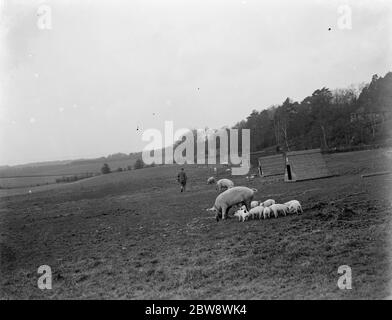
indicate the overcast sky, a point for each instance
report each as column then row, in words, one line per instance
column 108, row 68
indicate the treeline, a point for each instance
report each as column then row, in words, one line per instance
column 139, row 164
column 75, row 177
column 112, row 157
column 326, row 119
column 342, row 119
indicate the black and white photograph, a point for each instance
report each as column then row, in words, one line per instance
column 207, row 151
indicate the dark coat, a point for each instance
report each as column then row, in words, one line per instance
column 181, row 177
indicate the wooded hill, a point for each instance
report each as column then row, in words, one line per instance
column 326, row 119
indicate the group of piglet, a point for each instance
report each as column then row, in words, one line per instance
column 264, row 210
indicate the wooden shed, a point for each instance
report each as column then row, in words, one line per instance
column 305, row 165
column 272, row 165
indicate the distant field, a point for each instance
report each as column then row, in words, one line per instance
column 134, row 235
column 66, row 169
column 47, row 174
column 26, row 181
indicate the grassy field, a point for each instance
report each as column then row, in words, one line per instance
column 9, row 183
column 134, row 235
column 34, row 181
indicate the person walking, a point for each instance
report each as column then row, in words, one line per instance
column 182, row 178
